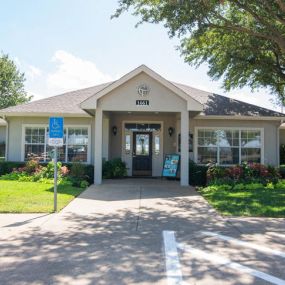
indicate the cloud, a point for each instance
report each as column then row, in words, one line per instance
column 73, row 72
column 33, row 72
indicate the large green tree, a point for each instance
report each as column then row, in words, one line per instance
column 242, row 41
column 12, row 90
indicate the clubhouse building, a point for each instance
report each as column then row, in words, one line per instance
column 140, row 118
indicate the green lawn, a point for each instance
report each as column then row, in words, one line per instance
column 33, row 197
column 254, row 203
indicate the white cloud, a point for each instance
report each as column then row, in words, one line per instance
column 33, row 72
column 73, row 72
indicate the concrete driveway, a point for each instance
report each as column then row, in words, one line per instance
column 117, row 233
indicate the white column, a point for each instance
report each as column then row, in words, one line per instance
column 184, row 173
column 98, row 146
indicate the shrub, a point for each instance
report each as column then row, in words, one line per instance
column 114, row 168
column 244, row 173
column 282, row 170
column 197, row 174
column 216, row 172
column 77, row 171
column 31, row 166
column 8, row 166
column 84, row 184
column 282, row 154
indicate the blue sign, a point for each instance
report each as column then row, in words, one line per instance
column 56, row 131
column 170, row 166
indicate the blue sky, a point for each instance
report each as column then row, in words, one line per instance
column 64, row 45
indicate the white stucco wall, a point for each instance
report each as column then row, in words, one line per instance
column 16, row 137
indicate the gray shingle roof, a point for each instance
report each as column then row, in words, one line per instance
column 66, row 103
column 219, row 105
column 69, row 103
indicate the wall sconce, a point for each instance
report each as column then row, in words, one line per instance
column 114, row 130
column 170, row 131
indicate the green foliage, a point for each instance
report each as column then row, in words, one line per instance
column 31, row 197
column 114, row 168
column 77, row 171
column 244, row 173
column 8, row 166
column 197, row 174
column 247, row 199
column 282, row 170
column 84, row 184
column 2, row 149
column 11, row 84
column 242, row 42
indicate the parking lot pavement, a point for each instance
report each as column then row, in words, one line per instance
column 208, row 257
column 113, row 234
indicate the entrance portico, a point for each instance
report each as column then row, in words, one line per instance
column 141, row 98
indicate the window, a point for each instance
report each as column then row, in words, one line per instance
column 250, row 146
column 156, row 144
column 228, row 146
column 207, row 146
column 75, row 144
column 128, row 143
column 35, row 143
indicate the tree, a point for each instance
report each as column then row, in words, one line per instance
column 12, row 90
column 243, row 42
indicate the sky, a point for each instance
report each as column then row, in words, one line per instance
column 64, row 45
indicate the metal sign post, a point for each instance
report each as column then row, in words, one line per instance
column 56, row 140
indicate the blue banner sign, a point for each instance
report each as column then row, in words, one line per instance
column 170, row 166
column 56, row 131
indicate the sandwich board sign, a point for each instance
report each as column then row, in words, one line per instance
column 56, row 131
column 171, row 165
column 56, row 140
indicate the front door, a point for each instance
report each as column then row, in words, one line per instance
column 142, row 154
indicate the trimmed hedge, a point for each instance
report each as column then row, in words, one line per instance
column 197, row 174
column 8, row 166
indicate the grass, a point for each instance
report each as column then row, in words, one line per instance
column 253, row 203
column 33, row 197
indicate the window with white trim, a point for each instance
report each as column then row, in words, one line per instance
column 228, row 146
column 75, row 147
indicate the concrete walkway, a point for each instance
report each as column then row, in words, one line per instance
column 112, row 234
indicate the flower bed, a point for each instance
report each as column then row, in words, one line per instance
column 32, row 171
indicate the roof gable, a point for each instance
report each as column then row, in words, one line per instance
column 192, row 103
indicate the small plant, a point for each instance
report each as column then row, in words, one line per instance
column 84, row 184
column 114, row 168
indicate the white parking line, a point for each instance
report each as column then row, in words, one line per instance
column 276, row 234
column 173, row 267
column 218, row 260
column 246, row 244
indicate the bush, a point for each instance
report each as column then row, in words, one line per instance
column 244, row 173
column 8, row 166
column 2, row 149
column 114, row 168
column 282, row 153
column 282, row 170
column 197, row 174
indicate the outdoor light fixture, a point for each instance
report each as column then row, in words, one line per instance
column 170, row 131
column 115, row 130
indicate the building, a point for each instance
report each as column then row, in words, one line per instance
column 140, row 118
